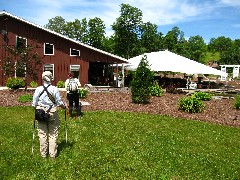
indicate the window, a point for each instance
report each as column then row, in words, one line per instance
column 74, row 52
column 49, row 67
column 21, row 42
column 48, row 49
column 20, row 70
column 75, row 69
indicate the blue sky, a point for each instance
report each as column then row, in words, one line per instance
column 207, row 18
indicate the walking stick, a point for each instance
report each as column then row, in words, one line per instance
column 66, row 123
column 33, row 135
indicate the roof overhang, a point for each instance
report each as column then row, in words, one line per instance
column 117, row 59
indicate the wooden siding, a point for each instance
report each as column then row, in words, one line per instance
column 61, row 58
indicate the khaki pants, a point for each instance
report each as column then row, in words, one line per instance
column 48, row 134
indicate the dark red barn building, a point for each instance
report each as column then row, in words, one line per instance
column 58, row 53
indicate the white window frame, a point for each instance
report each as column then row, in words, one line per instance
column 75, row 67
column 49, row 66
column 74, row 50
column 19, row 37
column 45, row 49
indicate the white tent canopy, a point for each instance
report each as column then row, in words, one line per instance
column 168, row 61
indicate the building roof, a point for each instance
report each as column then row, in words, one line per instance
column 122, row 60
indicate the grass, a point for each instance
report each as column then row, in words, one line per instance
column 117, row 145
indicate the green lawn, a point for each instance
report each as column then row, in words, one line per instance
column 117, row 145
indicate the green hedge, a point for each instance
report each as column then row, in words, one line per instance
column 15, row 83
column 190, row 105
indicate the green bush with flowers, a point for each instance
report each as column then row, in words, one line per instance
column 61, row 84
column 204, row 96
column 190, row 105
column 156, row 90
column 237, row 102
column 33, row 84
column 83, row 93
column 15, row 83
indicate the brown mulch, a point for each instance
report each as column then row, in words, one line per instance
column 216, row 111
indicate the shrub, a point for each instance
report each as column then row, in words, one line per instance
column 202, row 96
column 190, row 105
column 142, row 82
column 25, row 98
column 61, row 84
column 33, row 84
column 237, row 102
column 15, row 83
column 83, row 93
column 156, row 90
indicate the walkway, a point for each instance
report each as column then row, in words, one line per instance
column 3, row 88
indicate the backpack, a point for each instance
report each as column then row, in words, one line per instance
column 72, row 86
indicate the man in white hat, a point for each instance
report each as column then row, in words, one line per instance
column 48, row 130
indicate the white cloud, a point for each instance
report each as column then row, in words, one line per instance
column 160, row 12
column 236, row 25
column 165, row 12
column 230, row 2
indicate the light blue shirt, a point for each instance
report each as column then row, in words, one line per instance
column 44, row 100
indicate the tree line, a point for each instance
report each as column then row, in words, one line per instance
column 131, row 37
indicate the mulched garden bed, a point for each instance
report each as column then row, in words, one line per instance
column 219, row 111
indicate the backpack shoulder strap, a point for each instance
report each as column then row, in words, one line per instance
column 49, row 94
column 43, row 90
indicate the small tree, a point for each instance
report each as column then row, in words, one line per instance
column 24, row 60
column 142, row 82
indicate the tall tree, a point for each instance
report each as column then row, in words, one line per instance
column 182, row 48
column 109, row 44
column 151, row 40
column 127, row 31
column 237, row 42
column 77, row 30
column 219, row 44
column 90, row 32
column 232, row 54
column 96, row 33
column 173, row 38
column 57, row 24
column 197, row 48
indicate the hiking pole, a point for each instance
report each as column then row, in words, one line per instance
column 33, row 136
column 66, row 124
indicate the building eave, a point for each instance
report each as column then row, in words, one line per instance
column 120, row 59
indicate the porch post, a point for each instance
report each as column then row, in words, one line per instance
column 123, row 75
column 117, row 77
